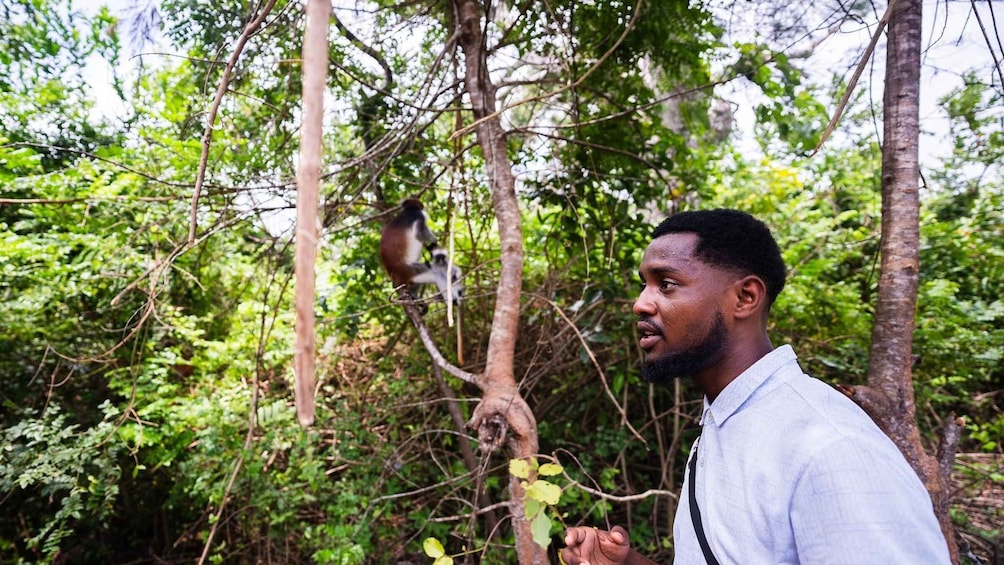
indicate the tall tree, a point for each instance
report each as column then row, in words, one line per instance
column 889, row 395
column 503, row 415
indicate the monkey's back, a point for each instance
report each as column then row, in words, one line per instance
column 401, row 242
column 399, row 249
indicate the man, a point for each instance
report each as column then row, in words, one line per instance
column 788, row 470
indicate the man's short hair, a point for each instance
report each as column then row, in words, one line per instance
column 734, row 240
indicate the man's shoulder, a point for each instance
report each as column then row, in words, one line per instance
column 804, row 408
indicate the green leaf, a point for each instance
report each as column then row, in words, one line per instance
column 540, row 528
column 548, row 493
column 550, row 469
column 531, row 508
column 444, row 560
column 519, row 468
column 434, row 549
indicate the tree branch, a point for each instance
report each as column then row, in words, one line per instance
column 854, row 78
column 430, row 345
column 599, row 368
column 207, row 136
column 495, row 114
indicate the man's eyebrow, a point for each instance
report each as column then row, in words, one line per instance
column 658, row 271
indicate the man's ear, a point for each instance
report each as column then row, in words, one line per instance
column 751, row 296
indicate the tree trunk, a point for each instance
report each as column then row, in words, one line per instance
column 502, row 416
column 889, row 397
column 308, row 180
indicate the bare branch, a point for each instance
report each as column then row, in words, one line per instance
column 599, row 368
column 986, row 38
column 430, row 346
column 854, row 78
column 207, row 136
column 626, row 498
column 388, row 75
column 599, row 62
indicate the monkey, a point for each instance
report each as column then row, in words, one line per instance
column 437, row 274
column 401, row 247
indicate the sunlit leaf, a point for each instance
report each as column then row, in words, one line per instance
column 519, row 468
column 531, row 508
column 550, row 469
column 548, row 493
column 433, row 548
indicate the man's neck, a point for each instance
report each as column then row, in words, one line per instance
column 714, row 379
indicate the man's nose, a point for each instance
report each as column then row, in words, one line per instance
column 643, row 305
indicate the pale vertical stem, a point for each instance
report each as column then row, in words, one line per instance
column 308, row 179
column 449, row 275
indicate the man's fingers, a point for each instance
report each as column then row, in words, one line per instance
column 575, row 536
column 569, row 558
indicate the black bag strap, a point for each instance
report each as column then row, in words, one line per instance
column 695, row 512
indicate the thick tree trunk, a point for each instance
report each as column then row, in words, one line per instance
column 502, row 416
column 889, row 397
column 308, row 180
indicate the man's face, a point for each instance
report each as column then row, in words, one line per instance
column 683, row 331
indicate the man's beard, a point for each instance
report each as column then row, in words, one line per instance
column 662, row 370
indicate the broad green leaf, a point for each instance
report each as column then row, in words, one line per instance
column 531, row 508
column 548, row 493
column 519, row 468
column 540, row 528
column 550, row 469
column 433, row 548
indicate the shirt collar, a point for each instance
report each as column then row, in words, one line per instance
column 742, row 387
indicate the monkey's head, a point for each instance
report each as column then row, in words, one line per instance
column 412, row 203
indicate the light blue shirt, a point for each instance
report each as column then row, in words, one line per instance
column 789, row 470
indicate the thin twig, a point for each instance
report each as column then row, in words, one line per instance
column 430, row 346
column 264, row 334
column 175, row 253
column 73, row 151
column 207, row 136
column 599, row 368
column 223, row 502
column 60, row 201
column 599, row 62
column 986, row 37
column 626, row 498
column 854, row 78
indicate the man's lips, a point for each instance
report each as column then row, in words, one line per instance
column 650, row 334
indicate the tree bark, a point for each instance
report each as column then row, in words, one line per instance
column 502, row 416
column 889, row 396
column 308, row 180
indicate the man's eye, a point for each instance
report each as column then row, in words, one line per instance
column 667, row 285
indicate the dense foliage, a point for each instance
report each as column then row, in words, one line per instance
column 145, row 384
